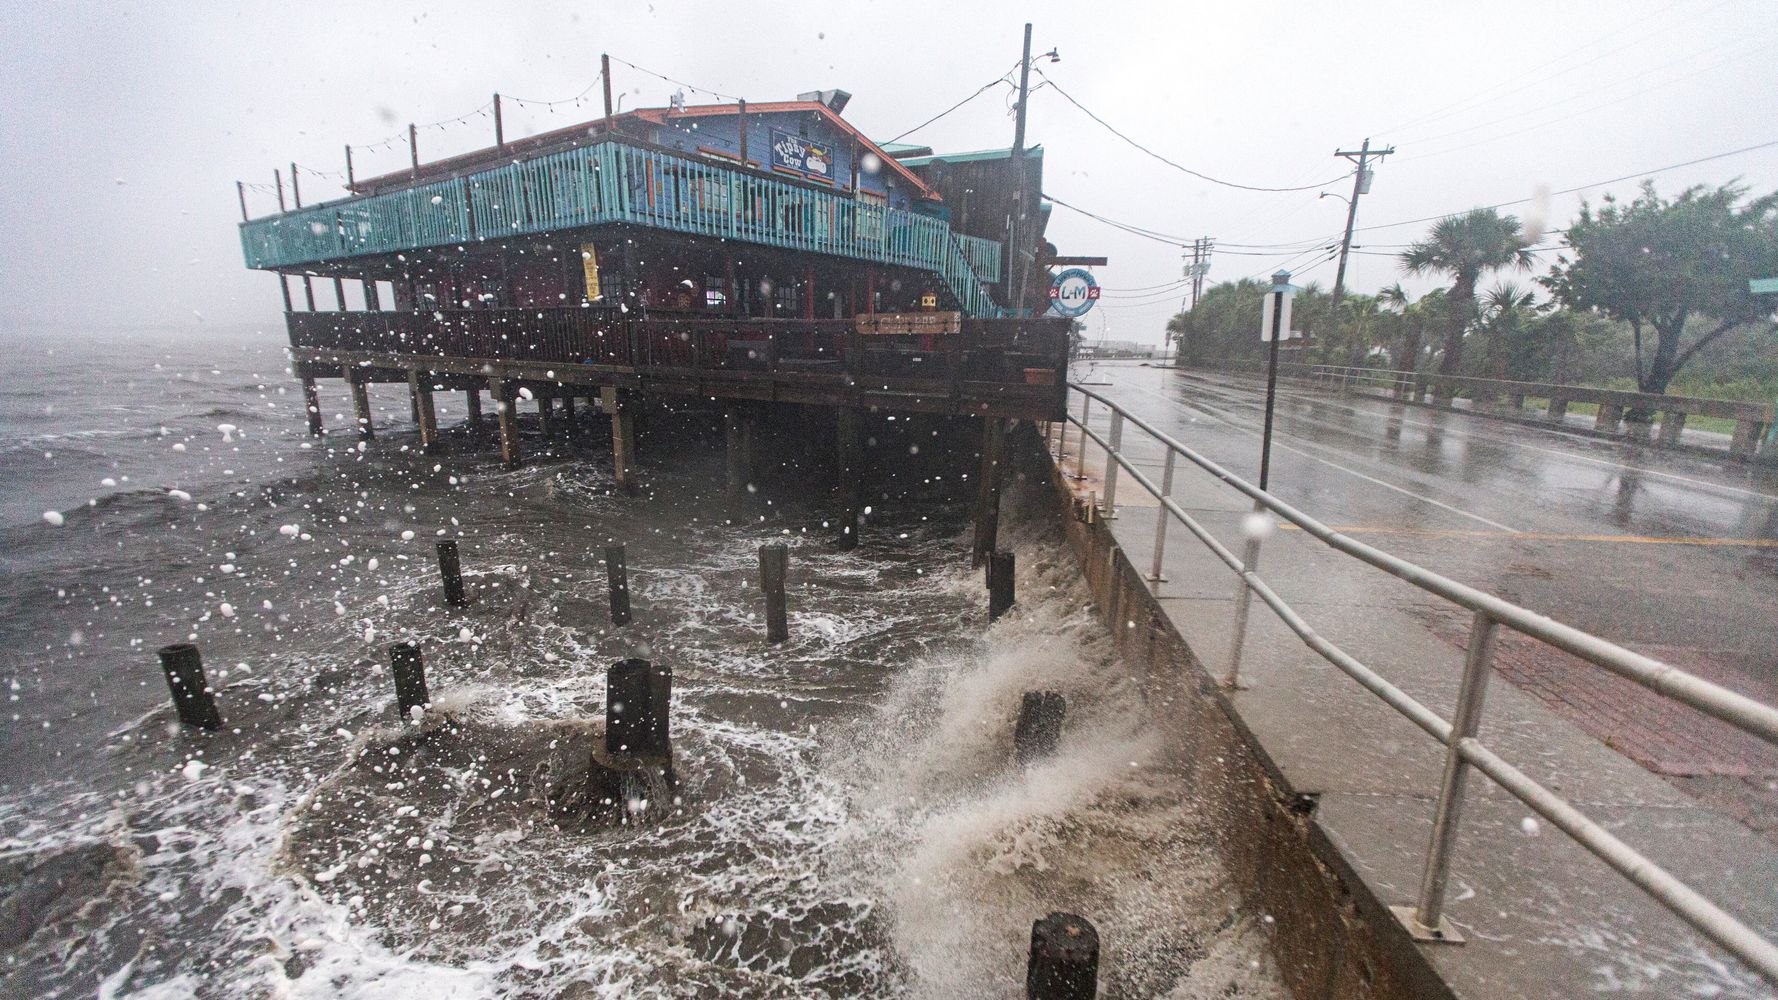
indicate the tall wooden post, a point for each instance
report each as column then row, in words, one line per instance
column 1064, row 959
column 192, row 699
column 617, row 578
column 350, row 180
column 741, row 129
column 284, row 288
column 472, row 403
column 360, row 401
column 987, row 504
column 567, row 401
column 372, row 301
column 623, row 437
column 499, row 126
column 774, row 568
column 241, row 192
column 278, row 178
column 309, row 292
column 312, row 404
column 339, row 293
column 546, row 415
column 296, row 191
column 421, row 390
column 507, row 414
column 737, row 436
column 851, row 473
column 413, row 147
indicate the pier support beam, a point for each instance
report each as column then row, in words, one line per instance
column 360, row 401
column 738, row 431
column 851, row 471
column 546, row 415
column 421, row 391
column 312, row 404
column 472, row 402
column 987, row 504
column 568, row 415
column 623, row 436
column 505, row 409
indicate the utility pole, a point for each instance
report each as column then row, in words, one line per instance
column 1361, row 184
column 1015, row 230
column 1201, row 249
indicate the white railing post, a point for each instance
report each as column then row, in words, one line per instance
column 1086, row 407
column 1426, row 920
column 1244, row 594
column 1111, row 456
column 1161, row 519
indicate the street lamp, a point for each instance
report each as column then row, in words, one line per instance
column 1274, row 326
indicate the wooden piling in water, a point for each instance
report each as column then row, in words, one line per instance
column 192, row 699
column 546, row 415
column 739, row 456
column 312, row 404
column 1000, row 583
column 1039, row 729
column 851, row 472
column 427, row 416
column 1064, row 961
column 360, row 401
column 987, row 504
column 410, row 679
column 774, row 567
column 505, row 410
column 638, row 702
column 623, row 437
column 568, row 415
column 472, row 403
column 617, row 576
column 451, row 570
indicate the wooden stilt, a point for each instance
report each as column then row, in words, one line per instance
column 851, row 471
column 546, row 415
column 472, row 401
column 312, row 403
column 419, row 386
column 623, row 437
column 739, row 472
column 987, row 505
column 360, row 402
column 507, row 413
column 568, row 415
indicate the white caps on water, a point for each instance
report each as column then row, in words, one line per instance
column 54, row 517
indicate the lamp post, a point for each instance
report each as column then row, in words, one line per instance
column 1274, row 327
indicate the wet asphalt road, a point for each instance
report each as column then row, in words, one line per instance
column 1669, row 553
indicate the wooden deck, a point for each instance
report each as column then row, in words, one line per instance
column 994, row 368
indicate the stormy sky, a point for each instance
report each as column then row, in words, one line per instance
column 128, row 124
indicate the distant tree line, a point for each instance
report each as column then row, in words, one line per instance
column 1637, row 293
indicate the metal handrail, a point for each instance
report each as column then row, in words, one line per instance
column 1464, row 750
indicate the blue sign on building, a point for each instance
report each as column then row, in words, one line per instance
column 797, row 153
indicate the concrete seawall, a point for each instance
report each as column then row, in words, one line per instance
column 1327, row 797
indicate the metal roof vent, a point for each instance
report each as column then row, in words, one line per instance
column 834, row 99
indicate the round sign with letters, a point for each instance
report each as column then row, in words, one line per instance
column 1073, row 293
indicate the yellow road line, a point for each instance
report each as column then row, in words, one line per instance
column 1533, row 536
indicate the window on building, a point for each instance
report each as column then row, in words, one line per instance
column 784, row 299
column 715, row 293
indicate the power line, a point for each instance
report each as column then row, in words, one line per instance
column 984, row 88
column 1176, row 166
column 1581, row 187
column 1168, row 238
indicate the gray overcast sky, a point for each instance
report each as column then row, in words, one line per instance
column 128, row 123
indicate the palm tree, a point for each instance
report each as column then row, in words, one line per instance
column 1466, row 247
column 1503, row 313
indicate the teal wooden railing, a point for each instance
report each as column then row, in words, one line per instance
column 610, row 182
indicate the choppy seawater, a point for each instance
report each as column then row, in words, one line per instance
column 849, row 823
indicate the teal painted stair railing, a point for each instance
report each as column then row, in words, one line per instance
column 610, row 182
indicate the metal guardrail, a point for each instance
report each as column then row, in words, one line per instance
column 1424, row 919
column 1751, row 419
